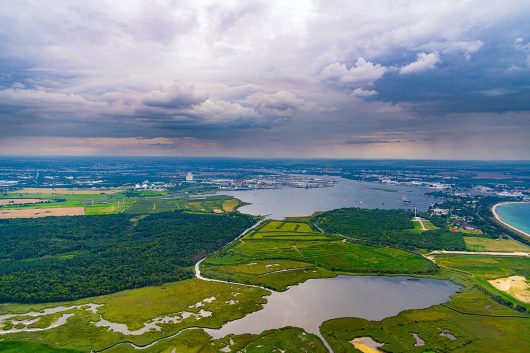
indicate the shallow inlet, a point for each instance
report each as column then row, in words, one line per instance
column 309, row 304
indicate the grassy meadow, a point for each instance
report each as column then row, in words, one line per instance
column 489, row 244
column 282, row 253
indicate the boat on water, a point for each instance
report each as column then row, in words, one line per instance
column 405, row 199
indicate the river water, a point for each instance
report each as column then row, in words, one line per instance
column 292, row 202
column 308, row 304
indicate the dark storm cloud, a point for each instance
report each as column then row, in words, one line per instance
column 494, row 79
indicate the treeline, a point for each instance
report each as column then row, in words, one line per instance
column 386, row 228
column 503, row 300
column 66, row 258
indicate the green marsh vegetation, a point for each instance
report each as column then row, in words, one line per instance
column 276, row 255
column 134, row 308
column 289, row 339
column 478, row 323
column 482, row 268
column 289, row 252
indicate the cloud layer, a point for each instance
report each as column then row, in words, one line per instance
column 407, row 79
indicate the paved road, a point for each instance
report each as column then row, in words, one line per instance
column 491, row 253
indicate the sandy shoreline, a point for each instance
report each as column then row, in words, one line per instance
column 496, row 215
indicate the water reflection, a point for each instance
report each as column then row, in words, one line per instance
column 292, row 202
column 309, row 304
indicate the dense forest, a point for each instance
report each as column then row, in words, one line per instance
column 64, row 258
column 386, row 228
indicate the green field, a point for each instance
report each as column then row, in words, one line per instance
column 488, row 267
column 488, row 244
column 284, row 230
column 129, row 201
column 315, row 255
column 94, row 204
column 206, row 204
column 426, row 223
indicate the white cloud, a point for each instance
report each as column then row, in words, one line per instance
column 280, row 100
column 424, row 62
column 175, row 96
column 222, row 111
column 360, row 92
column 467, row 47
column 362, row 73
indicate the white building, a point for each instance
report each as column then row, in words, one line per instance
column 440, row 211
column 189, row 176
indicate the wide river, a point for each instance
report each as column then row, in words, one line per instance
column 308, row 304
column 515, row 214
column 292, row 202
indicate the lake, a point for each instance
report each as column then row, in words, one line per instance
column 308, row 304
column 292, row 202
column 515, row 214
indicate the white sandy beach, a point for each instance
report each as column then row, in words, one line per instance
column 498, row 218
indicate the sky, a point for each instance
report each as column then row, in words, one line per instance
column 414, row 79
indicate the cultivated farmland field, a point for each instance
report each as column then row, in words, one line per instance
column 41, row 212
column 8, row 202
column 92, row 202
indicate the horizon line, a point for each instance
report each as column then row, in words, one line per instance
column 266, row 158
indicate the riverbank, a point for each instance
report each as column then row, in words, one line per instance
column 511, row 227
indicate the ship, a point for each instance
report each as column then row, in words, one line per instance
column 405, row 199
